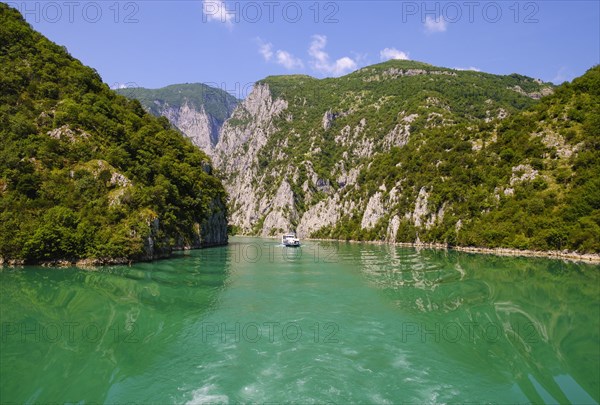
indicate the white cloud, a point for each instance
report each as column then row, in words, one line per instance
column 474, row 69
column 265, row 49
column 433, row 25
column 393, row 53
column 283, row 58
column 344, row 65
column 321, row 62
column 216, row 10
column 562, row 76
column 288, row 61
column 321, row 59
column 360, row 58
column 128, row 85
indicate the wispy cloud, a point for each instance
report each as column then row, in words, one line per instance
column 319, row 58
column 392, row 53
column 216, row 10
column 288, row 61
column 321, row 62
column 562, row 76
column 283, row 58
column 472, row 68
column 128, row 85
column 433, row 25
column 265, row 49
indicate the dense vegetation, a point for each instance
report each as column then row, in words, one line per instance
column 497, row 160
column 84, row 172
column 371, row 94
column 558, row 140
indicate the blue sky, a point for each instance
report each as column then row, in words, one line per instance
column 231, row 44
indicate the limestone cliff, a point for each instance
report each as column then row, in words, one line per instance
column 196, row 124
column 401, row 152
column 197, row 110
column 242, row 137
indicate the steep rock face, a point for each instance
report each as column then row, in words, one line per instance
column 392, row 230
column 196, row 109
column 324, row 213
column 282, row 211
column 197, row 125
column 251, row 123
column 242, row 137
column 402, row 152
column 268, row 198
column 373, row 212
column 213, row 229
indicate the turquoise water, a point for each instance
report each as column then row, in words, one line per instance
column 254, row 322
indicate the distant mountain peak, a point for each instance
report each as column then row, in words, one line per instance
column 196, row 109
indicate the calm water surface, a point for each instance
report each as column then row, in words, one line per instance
column 254, row 322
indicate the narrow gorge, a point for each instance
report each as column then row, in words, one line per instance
column 401, row 151
column 408, row 152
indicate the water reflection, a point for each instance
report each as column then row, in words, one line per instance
column 379, row 325
column 91, row 329
column 537, row 318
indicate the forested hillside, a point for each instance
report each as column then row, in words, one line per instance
column 86, row 173
column 531, row 181
column 408, row 152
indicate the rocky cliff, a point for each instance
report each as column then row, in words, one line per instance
column 404, row 152
column 213, row 228
column 196, row 124
column 242, row 137
column 197, row 110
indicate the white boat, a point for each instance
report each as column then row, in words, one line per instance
column 289, row 239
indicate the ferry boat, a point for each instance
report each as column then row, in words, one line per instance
column 289, row 239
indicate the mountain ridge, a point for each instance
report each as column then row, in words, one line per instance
column 290, row 150
column 195, row 109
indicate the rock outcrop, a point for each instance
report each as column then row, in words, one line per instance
column 196, row 109
column 213, row 229
column 202, row 128
column 236, row 156
column 401, row 151
column 276, row 151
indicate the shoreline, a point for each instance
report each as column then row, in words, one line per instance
column 101, row 262
column 589, row 258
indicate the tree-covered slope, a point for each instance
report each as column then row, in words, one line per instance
column 531, row 181
column 384, row 96
column 86, row 173
column 404, row 151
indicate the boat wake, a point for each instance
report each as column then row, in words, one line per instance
column 203, row 396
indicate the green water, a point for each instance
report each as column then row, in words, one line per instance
column 254, row 322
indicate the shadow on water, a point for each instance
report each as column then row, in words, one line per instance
column 534, row 323
column 76, row 334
